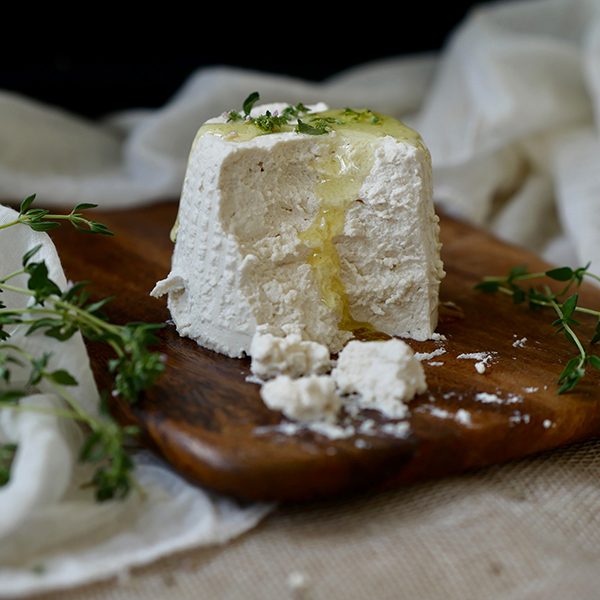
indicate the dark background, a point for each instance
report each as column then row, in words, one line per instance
column 93, row 65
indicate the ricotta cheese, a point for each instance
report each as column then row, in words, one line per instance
column 315, row 235
column 311, row 398
column 289, row 355
column 385, row 375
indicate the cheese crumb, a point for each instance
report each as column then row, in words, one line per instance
column 547, row 423
column 331, row 430
column 488, row 398
column 429, row 355
column 463, row 417
column 438, row 337
column 483, row 360
column 518, row 417
column 297, row 582
column 520, row 343
column 311, row 398
column 481, row 356
column 398, row 430
column 439, row 413
column 289, row 355
column 384, row 374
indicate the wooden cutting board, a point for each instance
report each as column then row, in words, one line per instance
column 211, row 425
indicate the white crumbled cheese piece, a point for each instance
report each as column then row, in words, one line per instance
column 311, row 398
column 463, row 417
column 488, row 398
column 429, row 355
column 367, row 427
column 520, row 343
column 435, row 363
column 438, row 337
column 531, row 390
column 483, row 360
column 239, row 262
column 331, row 430
column 289, row 355
column 475, row 356
column 385, row 375
column 335, row 431
column 284, row 428
column 398, row 430
column 518, row 417
column 297, row 581
column 289, row 428
column 439, row 413
column 547, row 423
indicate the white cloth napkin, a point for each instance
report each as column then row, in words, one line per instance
column 52, row 532
column 510, row 113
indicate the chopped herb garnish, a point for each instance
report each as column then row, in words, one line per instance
column 270, row 122
column 249, row 102
column 233, row 115
column 316, row 127
column 295, row 111
column 363, row 116
column 311, row 123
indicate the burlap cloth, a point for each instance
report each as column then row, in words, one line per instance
column 527, row 530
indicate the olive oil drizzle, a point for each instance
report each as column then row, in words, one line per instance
column 347, row 161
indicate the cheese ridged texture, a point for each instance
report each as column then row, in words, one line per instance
column 240, row 261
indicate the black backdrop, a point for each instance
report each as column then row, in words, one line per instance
column 94, row 65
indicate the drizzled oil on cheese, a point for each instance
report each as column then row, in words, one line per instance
column 338, row 120
column 342, row 169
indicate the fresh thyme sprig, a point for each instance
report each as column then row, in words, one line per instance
column 40, row 219
column 564, row 306
column 60, row 314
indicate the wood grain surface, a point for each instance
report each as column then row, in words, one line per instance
column 211, row 425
